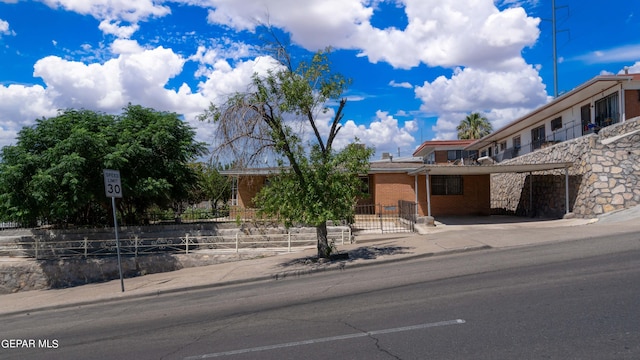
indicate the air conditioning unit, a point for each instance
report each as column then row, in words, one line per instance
column 486, row 160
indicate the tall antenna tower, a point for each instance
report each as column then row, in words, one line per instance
column 554, row 33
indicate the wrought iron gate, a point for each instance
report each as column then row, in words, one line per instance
column 380, row 218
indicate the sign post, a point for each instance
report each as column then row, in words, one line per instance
column 113, row 189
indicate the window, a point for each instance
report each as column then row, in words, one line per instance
column 607, row 112
column 446, row 185
column 517, row 142
column 453, row 155
column 502, row 146
column 234, row 191
column 537, row 137
column 556, row 124
column 365, row 185
column 585, row 118
column 430, row 158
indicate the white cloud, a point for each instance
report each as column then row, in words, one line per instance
column 5, row 29
column 633, row 69
column 123, row 46
column 485, row 41
column 136, row 75
column 384, row 133
column 471, row 89
column 617, row 54
column 313, row 24
column 21, row 106
column 112, row 13
column 112, row 27
column 501, row 96
column 404, row 84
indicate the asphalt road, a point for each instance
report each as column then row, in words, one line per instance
column 570, row 300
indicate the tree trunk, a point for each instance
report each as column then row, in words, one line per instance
column 324, row 250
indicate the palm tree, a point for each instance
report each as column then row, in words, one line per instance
column 474, row 126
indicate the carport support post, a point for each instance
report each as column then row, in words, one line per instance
column 566, row 190
column 428, row 195
column 415, row 186
column 530, row 194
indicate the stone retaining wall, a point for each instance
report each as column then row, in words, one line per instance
column 20, row 274
column 30, row 274
column 605, row 176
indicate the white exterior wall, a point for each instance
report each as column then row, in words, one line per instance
column 571, row 125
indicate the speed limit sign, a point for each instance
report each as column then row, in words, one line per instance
column 112, row 185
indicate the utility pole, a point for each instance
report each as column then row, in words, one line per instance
column 554, row 33
column 555, row 50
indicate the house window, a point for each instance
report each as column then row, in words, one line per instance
column 537, row 137
column 365, row 185
column 517, row 143
column 502, row 146
column 607, row 111
column 556, row 124
column 446, row 185
column 585, row 118
column 430, row 158
column 234, row 191
column 453, row 155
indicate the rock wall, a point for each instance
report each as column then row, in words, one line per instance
column 605, row 176
column 30, row 274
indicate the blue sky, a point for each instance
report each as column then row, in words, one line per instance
column 418, row 66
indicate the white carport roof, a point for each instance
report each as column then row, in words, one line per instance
column 487, row 169
column 483, row 170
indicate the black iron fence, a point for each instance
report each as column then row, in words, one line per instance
column 380, row 218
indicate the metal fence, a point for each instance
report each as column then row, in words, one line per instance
column 84, row 248
column 379, row 218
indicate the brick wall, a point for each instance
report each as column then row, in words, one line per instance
column 248, row 187
column 389, row 188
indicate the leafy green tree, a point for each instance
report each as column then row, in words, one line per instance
column 317, row 182
column 212, row 186
column 54, row 172
column 474, row 126
column 153, row 152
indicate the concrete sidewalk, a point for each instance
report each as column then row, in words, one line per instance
column 449, row 237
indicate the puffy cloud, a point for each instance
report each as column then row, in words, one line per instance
column 312, row 24
column 4, row 28
column 112, row 12
column 500, row 96
column 471, row 89
column 485, row 41
column 404, row 84
column 21, row 106
column 114, row 28
column 633, row 69
column 136, row 75
column 384, row 133
column 224, row 80
column 452, row 33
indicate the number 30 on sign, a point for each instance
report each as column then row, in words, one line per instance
column 112, row 185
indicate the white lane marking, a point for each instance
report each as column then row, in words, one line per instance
column 327, row 339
